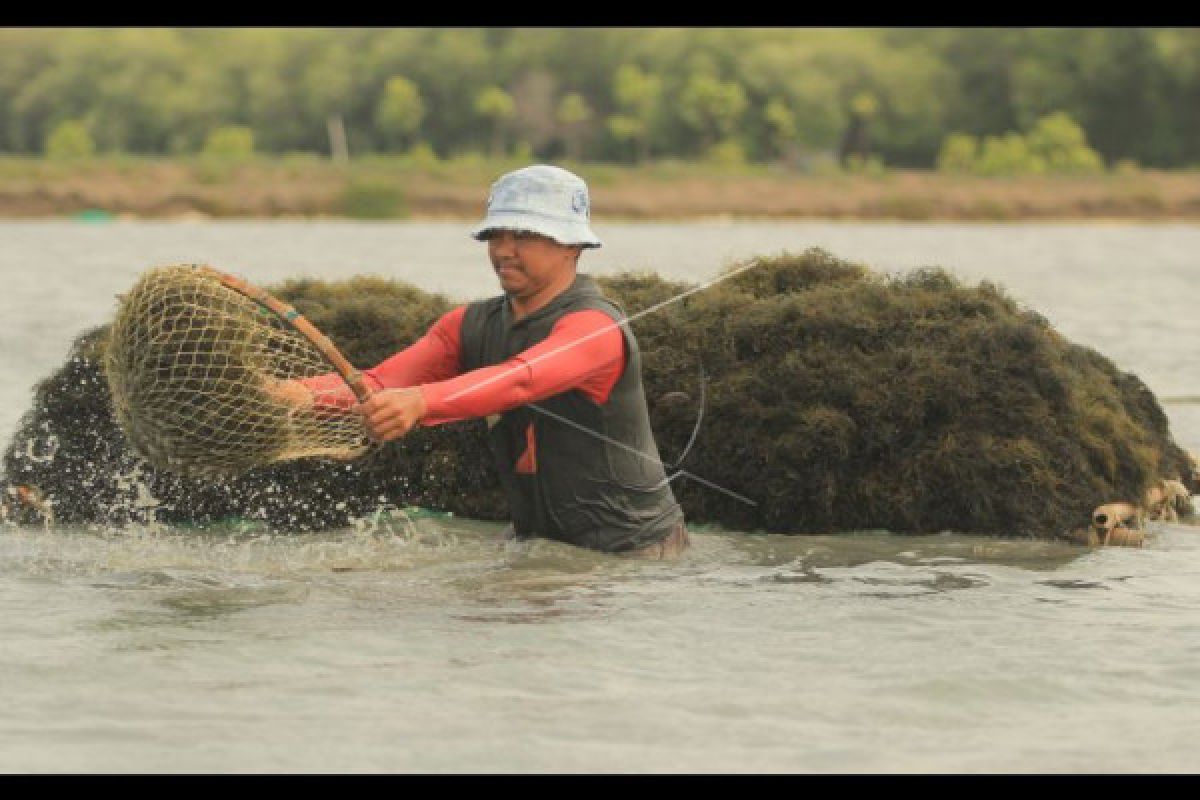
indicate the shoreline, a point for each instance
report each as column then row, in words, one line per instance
column 395, row 188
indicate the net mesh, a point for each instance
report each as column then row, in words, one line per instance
column 195, row 371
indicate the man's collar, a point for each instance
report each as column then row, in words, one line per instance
column 582, row 284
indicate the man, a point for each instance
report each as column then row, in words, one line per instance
column 553, row 371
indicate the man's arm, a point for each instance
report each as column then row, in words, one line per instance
column 433, row 357
column 585, row 350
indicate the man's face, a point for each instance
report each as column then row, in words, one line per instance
column 527, row 262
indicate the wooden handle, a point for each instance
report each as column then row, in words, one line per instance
column 295, row 319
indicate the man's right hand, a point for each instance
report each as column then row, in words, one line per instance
column 392, row 413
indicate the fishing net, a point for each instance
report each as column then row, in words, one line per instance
column 196, row 373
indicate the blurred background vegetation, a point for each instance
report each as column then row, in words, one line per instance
column 971, row 101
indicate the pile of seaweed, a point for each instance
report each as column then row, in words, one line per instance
column 833, row 397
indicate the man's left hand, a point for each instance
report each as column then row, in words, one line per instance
column 392, row 413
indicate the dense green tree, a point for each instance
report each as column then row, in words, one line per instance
column 1178, row 50
column 454, row 67
column 70, row 139
column 63, row 87
column 229, row 142
column 671, row 92
column 638, row 97
column 711, row 108
column 781, row 121
column 797, row 97
column 959, row 153
column 1008, row 155
column 1056, row 144
column 1128, row 110
column 496, row 107
column 1062, row 146
column 573, row 115
column 400, row 112
column 979, row 99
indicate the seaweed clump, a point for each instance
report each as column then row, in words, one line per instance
column 834, row 397
column 843, row 399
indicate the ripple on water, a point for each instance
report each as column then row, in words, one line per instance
column 929, row 638
column 753, row 653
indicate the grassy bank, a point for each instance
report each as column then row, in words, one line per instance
column 398, row 188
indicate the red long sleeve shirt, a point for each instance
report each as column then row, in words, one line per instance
column 585, row 350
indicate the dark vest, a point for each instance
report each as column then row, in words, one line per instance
column 602, row 487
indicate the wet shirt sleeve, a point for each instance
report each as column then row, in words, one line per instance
column 585, row 350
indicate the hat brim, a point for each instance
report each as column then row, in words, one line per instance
column 565, row 233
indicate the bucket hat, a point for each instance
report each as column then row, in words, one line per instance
column 542, row 199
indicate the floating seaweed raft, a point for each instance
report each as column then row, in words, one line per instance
column 834, row 397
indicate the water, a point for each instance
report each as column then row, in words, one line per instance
column 427, row 644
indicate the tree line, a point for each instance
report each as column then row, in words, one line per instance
column 900, row 97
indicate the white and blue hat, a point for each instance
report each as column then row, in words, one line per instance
column 541, row 199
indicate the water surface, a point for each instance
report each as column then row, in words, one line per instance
column 418, row 643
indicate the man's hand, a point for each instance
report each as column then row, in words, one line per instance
column 392, row 413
